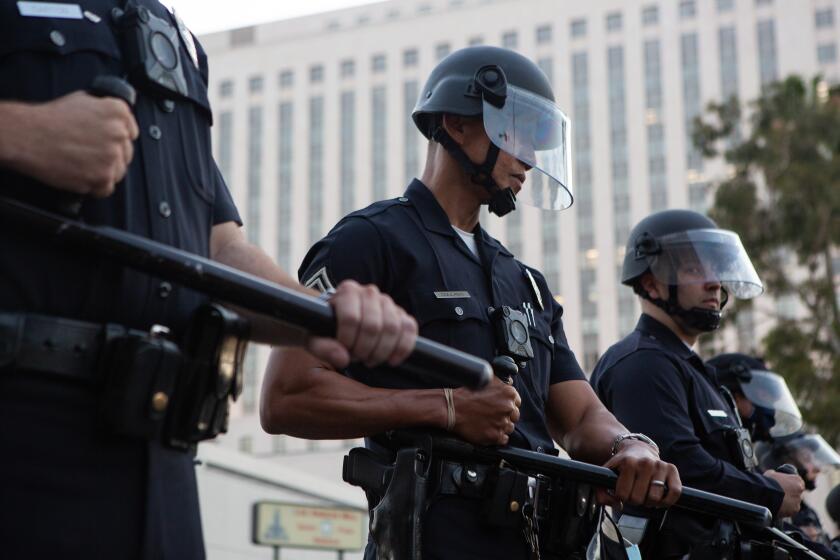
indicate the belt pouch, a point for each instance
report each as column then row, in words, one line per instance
column 502, row 508
column 395, row 522
column 138, row 374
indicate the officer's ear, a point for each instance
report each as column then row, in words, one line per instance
column 649, row 287
column 461, row 129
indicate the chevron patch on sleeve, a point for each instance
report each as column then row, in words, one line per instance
column 320, row 281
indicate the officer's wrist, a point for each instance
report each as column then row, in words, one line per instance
column 622, row 439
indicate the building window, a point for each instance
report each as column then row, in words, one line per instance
column 655, row 128
column 827, row 53
column 725, row 5
column 692, row 102
column 614, row 21
column 650, row 15
column 348, row 151
column 824, row 18
column 763, row 2
column 348, row 68
column 252, row 226
column 226, row 88
column 316, row 74
column 285, row 145
column 768, row 70
column 286, row 79
column 379, row 142
column 688, row 9
column 728, row 49
column 475, row 41
column 424, row 8
column 377, row 63
column 510, row 40
column 543, row 34
column 316, row 167
column 411, row 157
column 410, row 57
column 255, row 84
column 441, row 50
column 578, row 28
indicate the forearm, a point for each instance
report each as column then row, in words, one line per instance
column 13, row 132
column 592, row 438
column 302, row 398
column 249, row 258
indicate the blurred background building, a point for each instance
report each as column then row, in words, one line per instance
column 312, row 121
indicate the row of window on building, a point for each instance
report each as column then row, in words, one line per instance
column 823, row 19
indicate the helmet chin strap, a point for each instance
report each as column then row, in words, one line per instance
column 704, row 320
column 503, row 200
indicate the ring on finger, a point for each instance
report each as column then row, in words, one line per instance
column 659, row 483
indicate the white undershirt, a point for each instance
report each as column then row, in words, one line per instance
column 469, row 239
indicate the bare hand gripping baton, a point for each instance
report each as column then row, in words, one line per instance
column 433, row 361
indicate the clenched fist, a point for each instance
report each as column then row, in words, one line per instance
column 77, row 143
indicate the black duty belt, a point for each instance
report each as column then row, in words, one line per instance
column 455, row 478
column 48, row 344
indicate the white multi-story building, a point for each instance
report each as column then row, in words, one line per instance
column 312, row 121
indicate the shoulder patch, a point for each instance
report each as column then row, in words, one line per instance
column 320, row 281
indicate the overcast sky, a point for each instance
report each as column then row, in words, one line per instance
column 204, row 16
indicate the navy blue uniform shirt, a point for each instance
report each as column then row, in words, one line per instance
column 653, row 383
column 72, row 490
column 407, row 247
column 173, row 192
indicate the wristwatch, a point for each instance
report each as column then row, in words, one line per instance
column 641, row 437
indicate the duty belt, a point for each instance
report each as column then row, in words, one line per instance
column 56, row 345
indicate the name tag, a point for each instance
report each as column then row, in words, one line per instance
column 716, row 413
column 50, row 10
column 452, row 295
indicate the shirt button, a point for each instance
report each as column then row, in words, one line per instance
column 154, row 132
column 166, row 105
column 402, row 199
column 164, row 209
column 490, row 309
column 458, row 311
column 540, row 449
column 551, row 339
column 57, row 38
column 164, row 289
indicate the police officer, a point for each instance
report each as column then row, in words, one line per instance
column 70, row 486
column 684, row 268
column 832, row 506
column 762, row 398
column 490, row 116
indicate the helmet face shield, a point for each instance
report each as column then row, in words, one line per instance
column 769, row 390
column 536, row 132
column 701, row 256
column 814, row 449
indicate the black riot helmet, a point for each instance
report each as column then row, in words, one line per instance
column 775, row 413
column 516, row 103
column 680, row 247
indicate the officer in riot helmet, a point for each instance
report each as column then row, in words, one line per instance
column 491, row 120
column 684, row 270
column 764, row 402
column 810, row 455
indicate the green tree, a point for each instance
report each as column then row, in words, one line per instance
column 783, row 199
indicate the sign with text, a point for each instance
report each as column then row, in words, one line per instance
column 304, row 526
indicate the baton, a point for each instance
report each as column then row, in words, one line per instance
column 431, row 360
column 691, row 498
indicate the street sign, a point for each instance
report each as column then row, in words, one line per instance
column 302, row 526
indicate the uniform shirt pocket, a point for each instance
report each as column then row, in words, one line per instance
column 451, row 321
